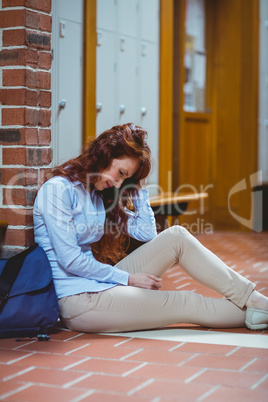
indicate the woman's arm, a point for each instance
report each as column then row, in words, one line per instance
column 54, row 209
column 141, row 223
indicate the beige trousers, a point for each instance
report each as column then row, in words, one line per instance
column 127, row 308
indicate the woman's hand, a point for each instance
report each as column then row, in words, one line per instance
column 146, row 281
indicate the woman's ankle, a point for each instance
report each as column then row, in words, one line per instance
column 257, row 300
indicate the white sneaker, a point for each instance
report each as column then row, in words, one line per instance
column 256, row 319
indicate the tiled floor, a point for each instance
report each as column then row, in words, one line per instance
column 178, row 363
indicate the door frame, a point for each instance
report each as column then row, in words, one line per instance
column 90, row 69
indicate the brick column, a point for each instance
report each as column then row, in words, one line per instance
column 25, row 102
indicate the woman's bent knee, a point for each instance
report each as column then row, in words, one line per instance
column 176, row 231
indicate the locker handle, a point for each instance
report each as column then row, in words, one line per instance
column 62, row 29
column 99, row 107
column 122, row 109
column 62, row 104
column 143, row 111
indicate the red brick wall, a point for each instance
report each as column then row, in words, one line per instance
column 25, row 102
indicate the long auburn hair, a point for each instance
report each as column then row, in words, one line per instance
column 124, row 140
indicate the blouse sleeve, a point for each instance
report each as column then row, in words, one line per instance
column 141, row 223
column 53, row 207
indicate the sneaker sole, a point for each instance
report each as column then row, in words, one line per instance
column 255, row 327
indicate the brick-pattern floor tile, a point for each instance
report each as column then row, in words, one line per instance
column 9, row 370
column 251, row 352
column 219, row 362
column 106, row 366
column 7, row 387
column 11, row 343
column 108, row 397
column 106, row 352
column 44, row 394
column 165, row 372
column 49, row 360
column 64, row 335
column 263, row 385
column 54, row 347
column 223, row 394
column 151, row 344
column 7, row 356
column 161, row 356
column 174, row 390
column 109, row 383
column 228, row 378
column 47, row 376
column 258, row 366
column 104, row 340
column 206, row 348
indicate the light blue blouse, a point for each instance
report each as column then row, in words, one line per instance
column 67, row 219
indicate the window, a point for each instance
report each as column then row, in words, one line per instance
column 195, row 57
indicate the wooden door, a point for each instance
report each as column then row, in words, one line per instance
column 192, row 135
column 216, row 147
column 235, row 109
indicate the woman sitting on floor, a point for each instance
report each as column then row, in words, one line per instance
column 82, row 219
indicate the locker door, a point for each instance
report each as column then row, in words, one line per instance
column 106, row 65
column 149, row 20
column 67, row 40
column 148, row 102
column 127, row 105
column 106, row 15
column 128, row 17
column 106, row 80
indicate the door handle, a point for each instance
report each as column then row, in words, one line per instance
column 122, row 109
column 143, row 111
column 99, row 107
column 62, row 104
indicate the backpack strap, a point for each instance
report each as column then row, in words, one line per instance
column 10, row 272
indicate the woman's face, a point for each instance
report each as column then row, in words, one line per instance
column 119, row 170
